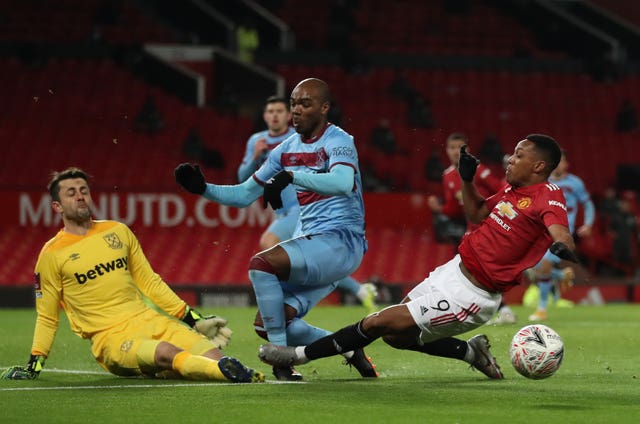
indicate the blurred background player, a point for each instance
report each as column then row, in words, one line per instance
column 546, row 273
column 449, row 221
column 277, row 116
column 321, row 162
column 97, row 271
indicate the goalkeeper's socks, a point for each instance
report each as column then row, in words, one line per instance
column 270, row 301
column 301, row 333
column 545, row 289
column 342, row 341
column 194, row 367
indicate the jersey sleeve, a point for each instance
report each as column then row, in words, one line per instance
column 48, row 293
column 341, row 150
column 554, row 209
column 150, row 283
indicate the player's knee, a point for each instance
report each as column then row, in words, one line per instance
column 259, row 263
column 383, row 324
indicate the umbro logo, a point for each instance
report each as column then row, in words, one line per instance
column 74, row 256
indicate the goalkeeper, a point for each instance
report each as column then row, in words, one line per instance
column 97, row 272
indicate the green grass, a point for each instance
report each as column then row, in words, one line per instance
column 599, row 381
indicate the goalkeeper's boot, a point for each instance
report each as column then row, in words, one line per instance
column 234, row 371
column 280, row 356
column 363, row 364
column 484, row 361
column 367, row 295
column 287, row 373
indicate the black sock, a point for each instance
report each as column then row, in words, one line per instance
column 344, row 340
column 448, row 347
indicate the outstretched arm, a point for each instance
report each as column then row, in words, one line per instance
column 472, row 201
column 563, row 245
column 239, row 195
column 191, row 178
column 338, row 181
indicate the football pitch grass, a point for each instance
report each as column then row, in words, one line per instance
column 599, row 381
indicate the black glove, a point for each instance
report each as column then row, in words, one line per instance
column 274, row 187
column 467, row 164
column 562, row 251
column 190, row 177
column 30, row 372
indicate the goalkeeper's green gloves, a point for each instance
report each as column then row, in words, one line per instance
column 215, row 328
column 30, row 372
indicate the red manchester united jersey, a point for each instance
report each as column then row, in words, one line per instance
column 514, row 236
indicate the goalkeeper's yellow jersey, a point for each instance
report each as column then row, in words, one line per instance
column 98, row 279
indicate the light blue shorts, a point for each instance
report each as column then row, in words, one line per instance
column 317, row 262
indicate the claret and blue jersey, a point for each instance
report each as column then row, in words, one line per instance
column 318, row 212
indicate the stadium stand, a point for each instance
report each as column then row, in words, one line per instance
column 77, row 110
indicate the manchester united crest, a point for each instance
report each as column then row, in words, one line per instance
column 524, row 203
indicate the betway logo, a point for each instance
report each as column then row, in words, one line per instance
column 100, row 270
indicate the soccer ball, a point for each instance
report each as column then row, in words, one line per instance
column 536, row 351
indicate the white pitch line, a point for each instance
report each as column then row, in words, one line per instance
column 132, row 386
column 58, row 370
column 135, row 386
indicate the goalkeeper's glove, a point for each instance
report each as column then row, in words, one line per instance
column 561, row 250
column 190, row 177
column 274, row 187
column 30, row 372
column 467, row 165
column 215, row 328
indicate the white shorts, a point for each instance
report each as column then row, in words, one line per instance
column 446, row 303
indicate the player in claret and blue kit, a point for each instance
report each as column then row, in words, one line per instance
column 321, row 162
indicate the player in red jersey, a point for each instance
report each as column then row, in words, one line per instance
column 449, row 221
column 517, row 225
